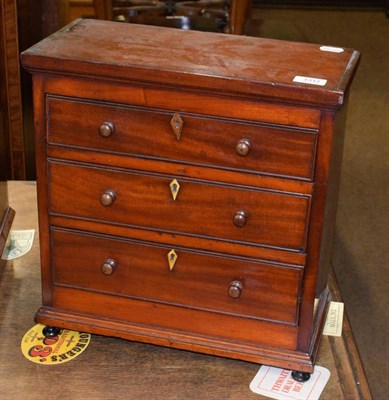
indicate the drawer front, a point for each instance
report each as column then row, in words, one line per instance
column 201, row 141
column 200, row 209
column 200, row 281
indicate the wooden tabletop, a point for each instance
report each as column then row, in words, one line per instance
column 212, row 61
column 117, row 369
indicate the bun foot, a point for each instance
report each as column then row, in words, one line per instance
column 300, row 376
column 50, row 331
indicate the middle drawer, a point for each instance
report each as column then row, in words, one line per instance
column 203, row 209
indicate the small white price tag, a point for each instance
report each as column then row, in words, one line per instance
column 334, row 321
column 310, row 81
column 332, row 49
column 277, row 383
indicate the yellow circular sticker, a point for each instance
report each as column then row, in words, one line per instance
column 51, row 350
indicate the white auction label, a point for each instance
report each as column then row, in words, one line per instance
column 334, row 320
column 332, row 49
column 310, row 81
column 18, row 244
column 277, row 383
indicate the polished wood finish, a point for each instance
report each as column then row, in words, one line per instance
column 254, row 109
column 196, row 281
column 30, row 19
column 12, row 153
column 277, row 151
column 11, row 129
column 214, row 157
column 209, row 71
column 131, row 369
column 54, row 15
column 239, row 13
column 80, row 8
column 144, row 200
column 103, row 9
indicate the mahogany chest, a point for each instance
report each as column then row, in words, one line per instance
column 187, row 186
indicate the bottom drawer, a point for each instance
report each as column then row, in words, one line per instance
column 185, row 278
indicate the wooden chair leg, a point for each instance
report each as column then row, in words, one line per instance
column 103, row 9
column 239, row 12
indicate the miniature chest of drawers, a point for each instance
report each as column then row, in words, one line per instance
column 187, row 186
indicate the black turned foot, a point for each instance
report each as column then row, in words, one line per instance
column 300, row 376
column 50, row 331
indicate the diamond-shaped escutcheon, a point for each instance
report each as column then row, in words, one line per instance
column 177, row 124
column 172, row 258
column 174, row 188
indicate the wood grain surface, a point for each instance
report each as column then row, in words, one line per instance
column 203, row 141
column 275, row 219
column 232, row 63
column 200, row 281
column 11, row 120
column 113, row 368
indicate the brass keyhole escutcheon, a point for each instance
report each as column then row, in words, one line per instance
column 174, row 188
column 172, row 257
column 177, row 123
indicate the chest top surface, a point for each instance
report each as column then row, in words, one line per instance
column 208, row 61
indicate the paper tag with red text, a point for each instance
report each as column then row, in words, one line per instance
column 278, row 383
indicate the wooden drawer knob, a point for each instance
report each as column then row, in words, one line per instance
column 106, row 129
column 107, row 198
column 243, row 147
column 240, row 218
column 235, row 289
column 109, row 266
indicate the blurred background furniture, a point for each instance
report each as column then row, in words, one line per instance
column 12, row 163
column 207, row 15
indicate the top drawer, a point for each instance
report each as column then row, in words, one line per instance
column 201, row 140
